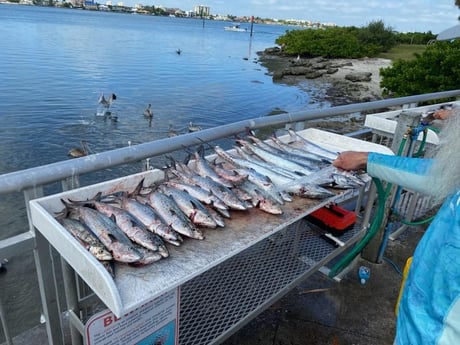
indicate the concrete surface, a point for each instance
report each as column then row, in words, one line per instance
column 321, row 311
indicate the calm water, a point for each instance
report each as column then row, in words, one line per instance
column 54, row 64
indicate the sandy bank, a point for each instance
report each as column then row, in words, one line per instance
column 373, row 66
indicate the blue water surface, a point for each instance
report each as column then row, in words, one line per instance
column 54, row 65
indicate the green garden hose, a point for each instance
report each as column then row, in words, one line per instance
column 376, row 222
column 373, row 229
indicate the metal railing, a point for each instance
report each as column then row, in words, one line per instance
column 32, row 183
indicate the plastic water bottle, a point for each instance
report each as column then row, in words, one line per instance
column 364, row 273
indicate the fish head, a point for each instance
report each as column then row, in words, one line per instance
column 100, row 252
column 123, row 253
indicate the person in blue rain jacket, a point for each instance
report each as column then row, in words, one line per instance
column 429, row 309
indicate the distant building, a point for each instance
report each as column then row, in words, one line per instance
column 201, row 10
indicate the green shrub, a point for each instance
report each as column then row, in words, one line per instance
column 339, row 42
column 436, row 69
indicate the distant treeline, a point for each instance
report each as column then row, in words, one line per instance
column 433, row 70
column 348, row 42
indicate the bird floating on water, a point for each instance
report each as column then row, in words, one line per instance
column 193, row 128
column 82, row 151
column 172, row 132
column 178, row 51
column 107, row 102
column 148, row 111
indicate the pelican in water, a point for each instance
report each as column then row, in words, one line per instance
column 107, row 102
column 193, row 128
column 79, row 151
column 172, row 132
column 148, row 111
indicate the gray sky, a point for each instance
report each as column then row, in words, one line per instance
column 401, row 15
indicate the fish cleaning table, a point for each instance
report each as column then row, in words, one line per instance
column 225, row 279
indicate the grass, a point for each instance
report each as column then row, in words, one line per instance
column 403, row 52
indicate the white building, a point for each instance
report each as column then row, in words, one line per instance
column 201, row 10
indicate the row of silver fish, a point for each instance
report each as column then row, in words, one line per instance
column 133, row 226
column 299, row 167
column 111, row 233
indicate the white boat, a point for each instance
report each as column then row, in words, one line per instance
column 235, row 27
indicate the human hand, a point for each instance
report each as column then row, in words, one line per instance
column 442, row 114
column 351, row 160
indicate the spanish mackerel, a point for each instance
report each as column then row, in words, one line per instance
column 261, row 168
column 108, row 232
column 172, row 215
column 134, row 229
column 278, row 159
column 310, row 146
column 307, row 153
column 191, row 206
column 151, row 220
column 86, row 238
column 230, row 175
column 291, row 185
column 243, row 168
column 223, row 193
column 261, row 199
column 205, row 196
column 148, row 256
column 203, row 168
column 309, row 160
column 272, row 166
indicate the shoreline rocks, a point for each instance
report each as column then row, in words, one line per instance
column 333, row 81
column 342, row 81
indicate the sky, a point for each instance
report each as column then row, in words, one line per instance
column 400, row 15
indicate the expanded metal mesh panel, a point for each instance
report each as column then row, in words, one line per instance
column 223, row 297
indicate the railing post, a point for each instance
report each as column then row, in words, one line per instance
column 6, row 332
column 46, row 277
column 69, row 278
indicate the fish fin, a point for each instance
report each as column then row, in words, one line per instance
column 113, row 218
column 250, row 132
column 201, row 151
column 97, row 197
column 138, row 188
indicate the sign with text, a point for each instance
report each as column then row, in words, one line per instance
column 156, row 322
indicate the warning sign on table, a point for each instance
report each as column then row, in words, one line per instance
column 156, row 322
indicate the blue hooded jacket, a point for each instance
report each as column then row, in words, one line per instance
column 429, row 309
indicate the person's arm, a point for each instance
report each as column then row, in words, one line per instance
column 408, row 172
